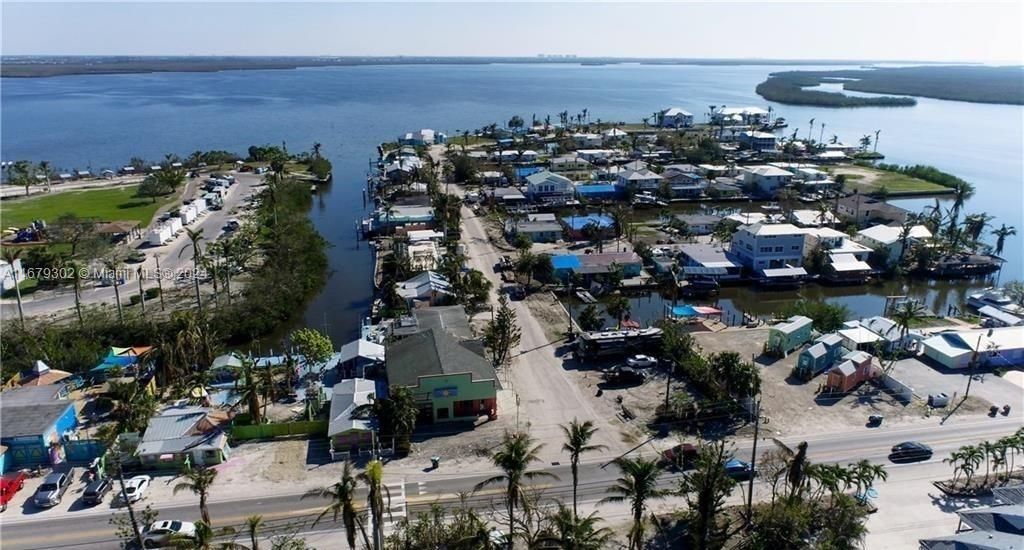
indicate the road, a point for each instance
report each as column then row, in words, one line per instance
column 15, row 191
column 173, row 257
column 81, row 529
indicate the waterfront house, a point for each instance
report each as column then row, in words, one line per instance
column 708, row 260
column 423, row 137
column 888, row 240
column 855, row 369
column 641, row 179
column 583, row 140
column 754, row 116
column 818, row 358
column 450, row 380
column 491, row 177
column 422, row 255
column 700, row 224
column 351, row 424
column 180, row 436
column 725, row 187
column 786, row 337
column 757, row 141
column 685, row 185
column 428, row 287
column 571, row 166
column 857, row 337
column 596, row 155
column 355, row 356
column 997, row 347
column 589, row 265
column 834, row 241
column 575, row 225
column 769, row 246
column 767, row 179
column 674, row 117
column 549, row 187
column 889, row 333
column 614, row 135
column 539, row 231
column 863, row 209
column 599, row 191
column 811, row 218
column 35, row 423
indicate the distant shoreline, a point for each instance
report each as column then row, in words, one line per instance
column 47, row 66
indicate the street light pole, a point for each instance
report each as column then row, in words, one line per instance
column 753, row 462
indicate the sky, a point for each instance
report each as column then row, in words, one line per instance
column 988, row 32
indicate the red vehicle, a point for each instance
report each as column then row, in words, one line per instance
column 9, row 485
column 679, row 457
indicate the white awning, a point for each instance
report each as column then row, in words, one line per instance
column 361, row 348
column 785, row 272
column 848, row 262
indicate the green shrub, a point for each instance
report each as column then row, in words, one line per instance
column 152, row 293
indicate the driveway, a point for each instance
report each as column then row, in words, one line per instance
column 926, row 379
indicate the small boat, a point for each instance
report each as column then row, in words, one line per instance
column 996, row 298
column 312, row 189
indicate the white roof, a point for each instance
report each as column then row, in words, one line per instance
column 361, row 348
column 614, row 132
column 424, row 235
column 889, row 234
column 966, row 341
column 742, row 111
column 759, row 135
column 642, row 174
column 762, row 229
column 794, row 323
column 812, row 217
column 831, row 155
column 676, row 111
column 546, row 177
column 848, row 262
column 347, row 396
column 784, row 272
column 767, row 170
column 748, row 217
column 859, row 335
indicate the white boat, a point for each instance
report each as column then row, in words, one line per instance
column 996, row 298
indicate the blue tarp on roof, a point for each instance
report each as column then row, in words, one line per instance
column 599, row 190
column 577, row 223
column 565, row 261
column 523, row 171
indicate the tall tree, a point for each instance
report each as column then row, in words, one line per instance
column 579, row 533
column 637, row 485
column 195, row 237
column 502, row 334
column 513, row 457
column 113, row 262
column 342, row 503
column 1001, row 233
column 11, row 255
column 705, row 490
column 198, row 481
column 577, row 442
column 397, row 416
column 617, row 306
column 376, row 494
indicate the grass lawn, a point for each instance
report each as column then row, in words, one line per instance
column 118, row 203
column 27, row 286
column 472, row 140
column 870, row 180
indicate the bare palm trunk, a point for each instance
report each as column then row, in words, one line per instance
column 117, row 298
column 203, row 510
column 78, row 298
column 17, row 294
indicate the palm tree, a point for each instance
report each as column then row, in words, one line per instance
column 577, row 442
column 905, row 314
column 197, row 257
column 975, row 224
column 1001, row 233
column 253, row 524
column 341, row 495
column 865, row 474
column 112, row 263
column 11, row 255
column 955, row 460
column 198, row 481
column 810, row 130
column 618, row 307
column 515, row 454
column 876, row 140
column 973, row 456
column 576, row 533
column 44, row 170
column 373, row 478
column 638, row 485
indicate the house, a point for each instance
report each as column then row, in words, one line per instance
column 402, row 168
column 491, row 177
column 818, row 358
column 855, row 369
column 405, row 215
column 35, row 424
column 450, row 319
column 540, row 231
column 614, row 135
column 351, row 424
column 997, row 527
column 757, row 141
column 180, row 436
column 450, row 380
column 888, row 240
column 725, row 188
column 571, row 166
column 42, row 375
column 862, row 210
column 811, row 218
column 767, row 179
column 994, row 347
column 753, row 116
column 642, row 179
column 588, row 140
column 708, row 260
column 596, row 155
column 769, row 246
column 427, row 287
column 575, row 225
column 700, row 224
column 846, row 268
column 356, row 355
column 890, row 335
column 674, row 117
column 546, row 186
column 422, row 255
column 589, row 265
column 9, row 273
column 786, row 337
column 422, row 137
column 599, row 191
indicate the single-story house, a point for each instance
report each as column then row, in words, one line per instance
column 351, row 424
column 490, row 177
column 888, row 239
column 786, row 337
column 863, row 209
column 589, row 265
column 429, row 286
column 699, row 224
column 538, row 231
column 356, row 355
column 599, row 191
column 450, row 319
column 34, row 425
column 181, row 435
column 643, row 179
column 42, row 375
column 856, row 337
column 856, row 368
column 995, row 347
column 819, row 357
column 450, row 380
column 575, row 225
column 708, row 260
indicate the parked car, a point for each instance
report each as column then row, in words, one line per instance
column 624, row 375
column 642, row 361
column 680, row 456
column 96, row 490
column 738, row 470
column 9, row 485
column 52, row 490
column 910, row 450
column 165, row 533
column 134, row 488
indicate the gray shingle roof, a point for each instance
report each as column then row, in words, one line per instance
column 430, row 353
column 18, row 420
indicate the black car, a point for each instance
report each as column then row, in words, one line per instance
column 911, row 450
column 624, row 375
column 96, row 490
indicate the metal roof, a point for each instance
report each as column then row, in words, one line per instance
column 346, row 397
column 34, row 419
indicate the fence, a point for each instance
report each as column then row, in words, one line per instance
column 270, row 431
column 898, row 389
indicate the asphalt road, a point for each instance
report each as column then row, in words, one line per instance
column 89, row 528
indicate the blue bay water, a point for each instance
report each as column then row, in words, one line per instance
column 101, row 121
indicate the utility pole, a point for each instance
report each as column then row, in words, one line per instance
column 128, row 504
column 159, row 281
column 974, row 363
column 753, row 461
column 142, row 293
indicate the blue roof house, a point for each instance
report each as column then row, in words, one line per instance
column 34, row 426
column 565, row 265
column 599, row 191
column 575, row 224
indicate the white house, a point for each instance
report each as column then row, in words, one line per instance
column 549, row 186
column 994, row 347
column 571, row 166
column 642, row 179
column 758, row 141
column 588, row 140
column 766, row 178
column 888, row 239
column 834, row 242
column 422, row 255
column 592, row 155
column 674, row 117
column 426, row 136
column 428, row 286
column 740, row 115
column 613, row 135
column 769, row 246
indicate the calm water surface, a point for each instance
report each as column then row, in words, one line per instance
column 100, row 121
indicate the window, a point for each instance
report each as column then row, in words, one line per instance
column 778, row 249
column 766, row 249
column 442, row 413
column 794, row 248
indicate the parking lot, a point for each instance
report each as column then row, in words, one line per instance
column 927, row 378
